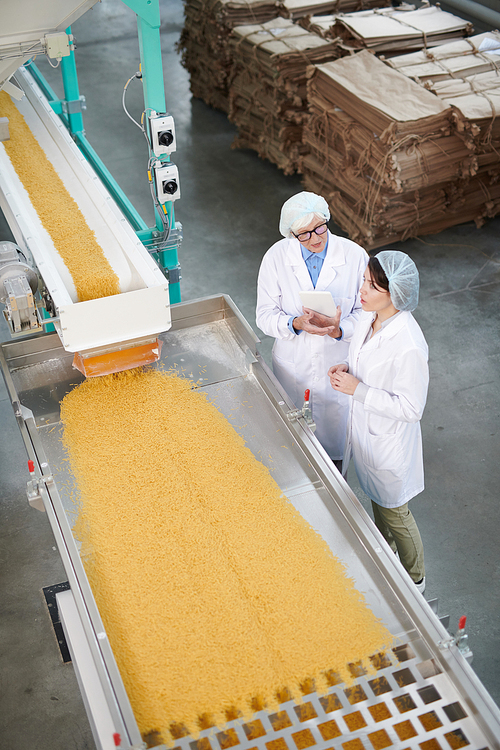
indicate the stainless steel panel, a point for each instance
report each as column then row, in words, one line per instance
column 211, row 344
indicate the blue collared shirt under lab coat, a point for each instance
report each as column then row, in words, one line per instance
column 314, row 263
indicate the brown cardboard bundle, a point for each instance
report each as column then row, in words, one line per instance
column 262, row 128
column 477, row 199
column 466, row 76
column 363, row 204
column 391, row 218
column 388, row 103
column 475, row 101
column 204, row 45
column 296, row 9
column 268, row 91
column 371, row 216
column 385, row 154
column 476, row 54
column 280, row 48
column 394, row 31
column 233, row 13
column 405, row 164
column 388, row 30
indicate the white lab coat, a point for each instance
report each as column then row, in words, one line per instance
column 383, row 433
column 302, row 361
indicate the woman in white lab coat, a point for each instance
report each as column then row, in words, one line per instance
column 307, row 343
column 386, row 380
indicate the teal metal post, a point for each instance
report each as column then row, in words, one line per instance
column 148, row 26
column 71, row 91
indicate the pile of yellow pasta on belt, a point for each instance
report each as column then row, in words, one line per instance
column 215, row 593
column 213, row 589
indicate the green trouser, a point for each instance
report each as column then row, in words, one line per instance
column 400, row 531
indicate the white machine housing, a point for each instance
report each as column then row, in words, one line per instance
column 29, row 28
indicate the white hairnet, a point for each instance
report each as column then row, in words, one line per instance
column 402, row 275
column 300, row 205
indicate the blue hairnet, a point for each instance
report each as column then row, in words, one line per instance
column 300, row 205
column 402, row 275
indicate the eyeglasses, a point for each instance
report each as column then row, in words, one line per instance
column 304, row 236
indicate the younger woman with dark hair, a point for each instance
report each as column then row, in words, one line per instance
column 387, row 378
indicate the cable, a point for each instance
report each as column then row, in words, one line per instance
column 18, row 51
column 136, row 75
column 145, row 130
column 167, row 227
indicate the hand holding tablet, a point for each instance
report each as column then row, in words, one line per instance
column 321, row 302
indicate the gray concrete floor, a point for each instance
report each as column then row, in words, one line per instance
column 229, row 210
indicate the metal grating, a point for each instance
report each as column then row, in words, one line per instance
column 407, row 704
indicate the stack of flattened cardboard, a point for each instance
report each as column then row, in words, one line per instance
column 296, row 9
column 476, row 54
column 476, row 100
column 204, row 44
column 466, row 77
column 268, row 89
column 391, row 31
column 383, row 151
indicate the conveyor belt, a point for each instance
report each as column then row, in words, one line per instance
column 424, row 694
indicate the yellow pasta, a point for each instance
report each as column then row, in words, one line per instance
column 214, row 591
column 74, row 241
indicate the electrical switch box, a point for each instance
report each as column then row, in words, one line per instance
column 57, row 45
column 167, row 182
column 162, row 131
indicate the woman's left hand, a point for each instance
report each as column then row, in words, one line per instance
column 344, row 382
column 325, row 321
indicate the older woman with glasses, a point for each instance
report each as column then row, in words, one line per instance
column 311, row 258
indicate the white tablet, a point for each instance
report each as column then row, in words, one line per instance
column 321, row 302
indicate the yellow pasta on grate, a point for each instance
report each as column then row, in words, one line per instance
column 215, row 593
